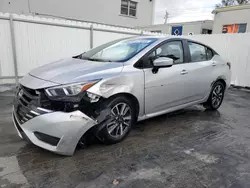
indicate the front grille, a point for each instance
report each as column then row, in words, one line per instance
column 27, row 104
column 17, row 124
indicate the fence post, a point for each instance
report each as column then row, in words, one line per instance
column 91, row 36
column 13, row 44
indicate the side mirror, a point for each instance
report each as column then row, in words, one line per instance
column 162, row 62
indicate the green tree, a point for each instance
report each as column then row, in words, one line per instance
column 225, row 3
column 241, row 2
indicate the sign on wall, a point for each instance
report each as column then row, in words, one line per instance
column 234, row 28
column 176, row 30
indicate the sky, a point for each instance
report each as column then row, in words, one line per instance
column 184, row 10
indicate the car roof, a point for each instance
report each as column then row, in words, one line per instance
column 151, row 36
column 166, row 37
column 163, row 37
column 159, row 36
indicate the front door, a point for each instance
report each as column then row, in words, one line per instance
column 168, row 87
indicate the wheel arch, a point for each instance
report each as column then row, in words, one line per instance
column 208, row 104
column 130, row 97
column 220, row 79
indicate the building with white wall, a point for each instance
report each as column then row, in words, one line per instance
column 232, row 19
column 128, row 13
column 184, row 28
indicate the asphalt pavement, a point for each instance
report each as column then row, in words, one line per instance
column 186, row 149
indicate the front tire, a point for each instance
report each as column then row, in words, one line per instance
column 216, row 96
column 123, row 114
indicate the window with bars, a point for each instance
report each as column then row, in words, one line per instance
column 128, row 8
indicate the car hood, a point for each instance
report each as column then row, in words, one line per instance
column 76, row 70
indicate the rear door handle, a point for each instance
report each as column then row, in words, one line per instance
column 183, row 72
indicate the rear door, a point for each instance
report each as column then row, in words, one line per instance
column 200, row 70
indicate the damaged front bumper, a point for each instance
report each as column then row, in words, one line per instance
column 57, row 126
column 58, row 132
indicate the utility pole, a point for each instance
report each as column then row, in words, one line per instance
column 29, row 6
column 166, row 17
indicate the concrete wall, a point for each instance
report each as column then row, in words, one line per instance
column 231, row 17
column 194, row 28
column 101, row 11
column 209, row 24
column 163, row 28
column 188, row 27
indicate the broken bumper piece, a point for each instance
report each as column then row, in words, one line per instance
column 58, row 132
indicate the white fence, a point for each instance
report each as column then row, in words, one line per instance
column 37, row 41
column 234, row 48
column 28, row 42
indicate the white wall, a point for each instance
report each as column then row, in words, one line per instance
column 188, row 27
column 101, row 37
column 208, row 24
column 41, row 40
column 192, row 28
column 231, row 17
column 101, row 11
column 164, row 28
column 38, row 44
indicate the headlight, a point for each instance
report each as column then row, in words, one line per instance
column 69, row 90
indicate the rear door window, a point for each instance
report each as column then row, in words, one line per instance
column 199, row 52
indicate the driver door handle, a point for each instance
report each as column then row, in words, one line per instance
column 183, row 72
column 214, row 64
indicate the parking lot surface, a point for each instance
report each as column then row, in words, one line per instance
column 189, row 148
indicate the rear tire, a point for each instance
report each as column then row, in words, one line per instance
column 123, row 114
column 216, row 96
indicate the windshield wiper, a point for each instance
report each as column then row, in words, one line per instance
column 99, row 60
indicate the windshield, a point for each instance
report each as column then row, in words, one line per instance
column 118, row 51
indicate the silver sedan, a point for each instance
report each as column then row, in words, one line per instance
column 102, row 93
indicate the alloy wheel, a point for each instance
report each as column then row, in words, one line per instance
column 217, row 96
column 121, row 120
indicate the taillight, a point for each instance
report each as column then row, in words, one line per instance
column 229, row 65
